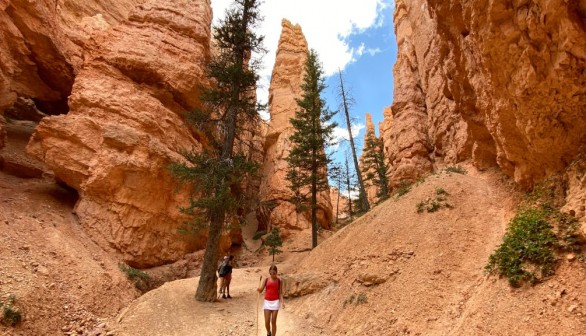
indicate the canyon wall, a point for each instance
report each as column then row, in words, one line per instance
column 502, row 83
column 369, row 187
column 275, row 195
column 42, row 46
column 125, row 127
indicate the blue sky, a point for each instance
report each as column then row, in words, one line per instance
column 354, row 35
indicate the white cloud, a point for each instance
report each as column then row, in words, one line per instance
column 327, row 26
column 340, row 135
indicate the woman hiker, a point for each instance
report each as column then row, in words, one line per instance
column 273, row 300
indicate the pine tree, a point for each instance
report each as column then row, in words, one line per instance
column 374, row 166
column 274, row 241
column 307, row 172
column 229, row 110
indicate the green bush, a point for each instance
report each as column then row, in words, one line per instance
column 349, row 300
column 436, row 203
column 420, row 207
column 403, row 188
column 259, row 234
column 140, row 279
column 456, row 169
column 361, row 299
column 10, row 315
column 526, row 254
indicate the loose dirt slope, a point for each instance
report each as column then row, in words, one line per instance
column 429, row 267
column 62, row 281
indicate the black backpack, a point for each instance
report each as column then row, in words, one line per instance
column 223, row 269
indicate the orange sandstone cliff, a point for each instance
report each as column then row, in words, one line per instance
column 124, row 128
column 286, row 80
column 501, row 83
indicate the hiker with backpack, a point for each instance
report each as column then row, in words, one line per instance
column 273, row 300
column 225, row 275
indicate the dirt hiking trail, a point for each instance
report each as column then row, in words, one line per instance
column 172, row 310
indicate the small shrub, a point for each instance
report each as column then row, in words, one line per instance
column 436, row 203
column 433, row 206
column 403, row 188
column 526, row 254
column 140, row 279
column 361, row 299
column 420, row 207
column 10, row 315
column 456, row 169
column 441, row 192
column 349, row 300
column 259, row 234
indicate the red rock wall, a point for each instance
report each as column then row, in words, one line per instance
column 499, row 82
column 125, row 127
column 285, row 87
column 369, row 187
column 42, row 45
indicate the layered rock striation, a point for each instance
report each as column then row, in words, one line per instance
column 502, row 83
column 275, row 194
column 125, row 127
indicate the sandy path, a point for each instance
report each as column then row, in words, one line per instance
column 172, row 310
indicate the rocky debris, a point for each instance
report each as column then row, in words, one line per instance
column 285, row 87
column 301, row 284
column 371, row 279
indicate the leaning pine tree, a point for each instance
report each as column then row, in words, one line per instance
column 229, row 110
column 374, row 166
column 313, row 128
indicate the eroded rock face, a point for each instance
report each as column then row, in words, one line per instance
column 124, row 128
column 286, row 80
column 42, row 45
column 500, row 82
column 369, row 187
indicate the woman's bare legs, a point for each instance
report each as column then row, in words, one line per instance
column 268, row 320
column 274, row 322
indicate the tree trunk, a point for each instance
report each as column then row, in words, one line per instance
column 206, row 288
column 314, row 208
column 338, row 203
column 348, row 186
column 363, row 198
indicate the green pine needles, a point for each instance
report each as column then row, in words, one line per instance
column 226, row 122
column 274, row 241
column 313, row 128
column 374, row 165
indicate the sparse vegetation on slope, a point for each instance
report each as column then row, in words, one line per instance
column 10, row 314
column 140, row 279
column 535, row 234
column 433, row 204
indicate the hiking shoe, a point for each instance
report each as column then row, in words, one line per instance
column 223, row 296
column 269, row 334
column 229, row 297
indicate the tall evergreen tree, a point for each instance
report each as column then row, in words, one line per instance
column 346, row 101
column 307, row 173
column 229, row 110
column 374, row 166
